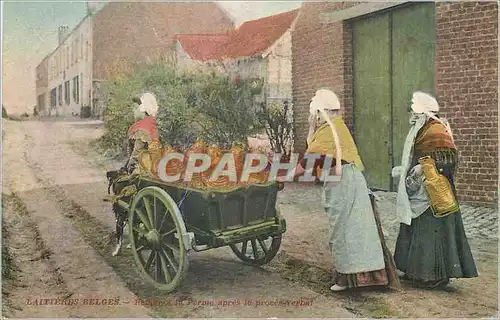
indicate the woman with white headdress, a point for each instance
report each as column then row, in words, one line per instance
column 143, row 134
column 432, row 246
column 354, row 238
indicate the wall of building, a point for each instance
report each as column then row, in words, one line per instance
column 41, row 85
column 275, row 69
column 466, row 82
column 467, row 89
column 279, row 77
column 126, row 32
column 279, row 70
column 248, row 68
column 129, row 32
column 320, row 58
column 70, row 72
column 184, row 63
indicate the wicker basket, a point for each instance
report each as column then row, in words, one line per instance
column 239, row 154
column 215, row 154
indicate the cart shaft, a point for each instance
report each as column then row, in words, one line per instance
column 123, row 205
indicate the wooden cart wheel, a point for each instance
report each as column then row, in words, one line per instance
column 155, row 229
column 257, row 251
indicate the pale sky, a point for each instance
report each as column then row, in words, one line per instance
column 30, row 33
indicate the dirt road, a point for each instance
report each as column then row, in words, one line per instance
column 59, row 235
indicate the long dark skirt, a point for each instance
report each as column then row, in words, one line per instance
column 432, row 250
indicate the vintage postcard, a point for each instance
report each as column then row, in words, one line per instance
column 249, row 159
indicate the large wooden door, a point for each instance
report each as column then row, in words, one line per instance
column 393, row 57
column 372, row 98
column 413, row 36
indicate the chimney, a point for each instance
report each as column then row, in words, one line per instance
column 91, row 7
column 62, row 33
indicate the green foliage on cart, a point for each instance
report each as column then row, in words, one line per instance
column 192, row 105
column 225, row 110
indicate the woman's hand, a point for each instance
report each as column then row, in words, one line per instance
column 416, row 171
column 299, row 170
column 396, row 172
column 414, row 179
column 281, row 179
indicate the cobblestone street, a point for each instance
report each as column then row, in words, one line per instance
column 479, row 222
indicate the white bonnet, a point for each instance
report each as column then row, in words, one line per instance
column 325, row 99
column 148, row 104
column 424, row 103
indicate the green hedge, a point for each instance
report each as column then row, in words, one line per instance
column 192, row 105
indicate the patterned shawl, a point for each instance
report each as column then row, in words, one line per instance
column 322, row 143
column 433, row 137
column 146, row 128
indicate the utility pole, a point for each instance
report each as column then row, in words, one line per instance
column 91, row 7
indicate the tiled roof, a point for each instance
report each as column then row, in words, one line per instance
column 202, row 47
column 254, row 37
column 250, row 39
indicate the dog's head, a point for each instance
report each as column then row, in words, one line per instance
column 111, row 175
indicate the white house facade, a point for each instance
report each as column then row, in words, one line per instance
column 104, row 45
column 70, row 71
column 279, row 69
column 257, row 49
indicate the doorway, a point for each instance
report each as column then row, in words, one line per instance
column 393, row 56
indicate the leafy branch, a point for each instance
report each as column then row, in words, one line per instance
column 278, row 125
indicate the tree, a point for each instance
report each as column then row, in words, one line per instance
column 225, row 110
column 205, row 105
column 278, row 123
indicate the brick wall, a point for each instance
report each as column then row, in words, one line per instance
column 136, row 31
column 320, row 58
column 467, row 89
column 348, row 74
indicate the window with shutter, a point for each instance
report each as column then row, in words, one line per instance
column 53, row 97
column 76, row 89
column 60, row 94
column 66, row 92
column 81, row 85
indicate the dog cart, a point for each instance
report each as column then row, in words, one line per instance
column 166, row 222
